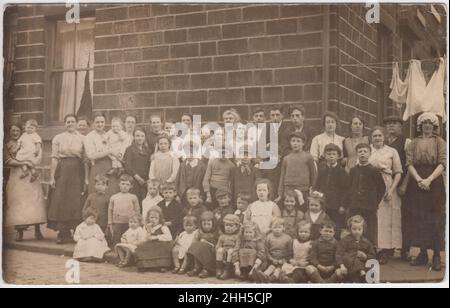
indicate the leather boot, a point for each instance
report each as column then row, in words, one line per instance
column 219, row 269
column 37, row 233
column 421, row 259
column 436, row 266
column 228, row 272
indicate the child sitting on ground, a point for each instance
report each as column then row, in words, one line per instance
column 354, row 251
column 228, row 243
column 295, row 270
column 182, row 244
column 278, row 252
column 203, row 247
column 322, row 257
column 156, row 252
column 91, row 244
column 251, row 254
column 130, row 239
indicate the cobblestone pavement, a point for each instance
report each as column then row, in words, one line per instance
column 31, row 268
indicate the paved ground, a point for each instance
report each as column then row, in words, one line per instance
column 32, row 262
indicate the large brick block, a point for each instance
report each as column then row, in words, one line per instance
column 293, row 93
column 272, row 94
column 263, row 77
column 199, row 65
column 155, row 53
column 151, row 84
column 226, row 63
column 241, row 78
column 300, row 41
column 258, row 12
column 30, row 51
column 29, row 77
column 145, row 100
column 282, row 59
column 192, row 98
column 250, row 61
column 104, row 29
column 171, row 67
column 296, row 75
column 253, row 95
column 233, row 46
column 205, row 34
column 205, row 81
column 243, row 29
column 267, row 43
column 226, row 97
column 111, row 14
column 184, row 50
column 185, row 8
column 132, row 55
column 225, row 16
column 33, row 23
column 208, row 49
column 313, row 56
column 166, row 99
column 190, row 20
column 175, row 36
column 312, row 92
column 124, row 70
column 310, row 24
column 130, row 85
column 150, row 39
column 124, row 27
column 105, row 102
column 109, row 42
column 177, row 82
column 145, row 69
column 300, row 10
column 114, row 86
column 139, row 11
column 282, row 26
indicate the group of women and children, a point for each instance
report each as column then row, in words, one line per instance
column 331, row 204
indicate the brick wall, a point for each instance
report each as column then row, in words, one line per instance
column 29, row 64
column 206, row 58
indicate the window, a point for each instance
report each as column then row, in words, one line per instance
column 71, row 63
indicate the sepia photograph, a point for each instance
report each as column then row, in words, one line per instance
column 219, row 144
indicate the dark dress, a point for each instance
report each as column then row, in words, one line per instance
column 333, row 182
column 205, row 253
column 137, row 162
column 366, row 189
column 65, row 210
column 427, row 207
column 154, row 254
column 347, row 251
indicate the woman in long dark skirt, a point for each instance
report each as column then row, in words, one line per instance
column 426, row 161
column 137, row 164
column 67, row 180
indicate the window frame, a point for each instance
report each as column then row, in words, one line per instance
column 50, row 29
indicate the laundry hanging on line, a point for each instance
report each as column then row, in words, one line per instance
column 416, row 93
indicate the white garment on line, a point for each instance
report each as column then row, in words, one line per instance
column 399, row 87
column 420, row 96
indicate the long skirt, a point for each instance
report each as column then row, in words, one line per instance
column 92, row 247
column 154, row 254
column 427, row 211
column 205, row 254
column 390, row 219
column 65, row 208
column 101, row 167
column 25, row 203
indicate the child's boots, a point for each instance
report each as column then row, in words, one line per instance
column 228, row 272
column 219, row 269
